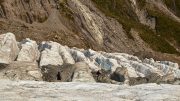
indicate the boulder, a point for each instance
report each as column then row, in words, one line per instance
column 8, row 48
column 29, row 51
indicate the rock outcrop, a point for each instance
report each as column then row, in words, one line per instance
column 29, row 11
column 104, row 31
column 143, row 16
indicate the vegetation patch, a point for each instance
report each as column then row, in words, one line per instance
column 66, row 12
column 26, row 1
column 27, row 14
column 34, row 16
column 1, row 1
column 119, row 9
column 157, row 43
column 141, row 3
column 173, row 5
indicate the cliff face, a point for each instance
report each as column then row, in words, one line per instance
column 26, row 10
column 128, row 26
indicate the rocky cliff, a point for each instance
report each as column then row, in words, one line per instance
column 127, row 26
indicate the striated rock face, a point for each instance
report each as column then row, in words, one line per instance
column 76, row 23
column 143, row 16
column 106, row 32
column 28, row 11
column 163, row 7
column 38, row 91
column 8, row 48
column 88, row 21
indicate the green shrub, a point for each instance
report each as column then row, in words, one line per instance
column 173, row 5
column 1, row 1
column 120, row 10
column 141, row 3
column 66, row 12
column 34, row 16
column 26, row 1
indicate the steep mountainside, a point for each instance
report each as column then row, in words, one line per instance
column 128, row 26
